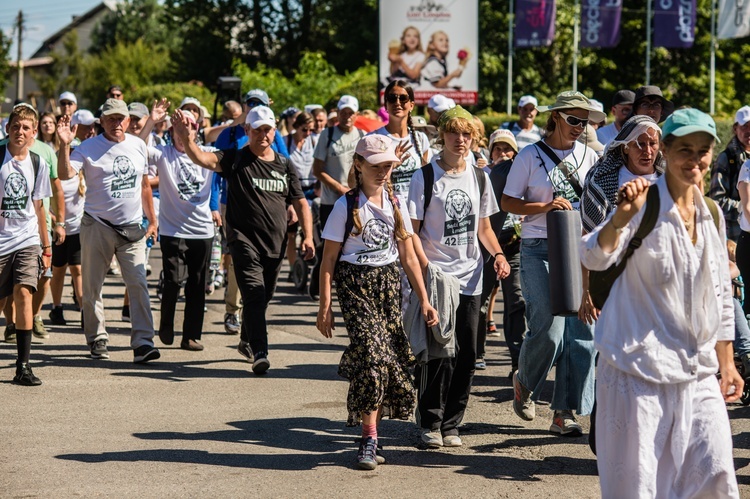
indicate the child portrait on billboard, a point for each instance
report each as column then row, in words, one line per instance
column 435, row 68
column 406, row 56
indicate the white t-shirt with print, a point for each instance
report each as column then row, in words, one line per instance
column 401, row 175
column 114, row 171
column 376, row 245
column 535, row 178
column 185, row 192
column 449, row 231
column 744, row 176
column 338, row 159
column 73, row 205
column 19, row 227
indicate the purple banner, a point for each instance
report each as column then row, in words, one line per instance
column 674, row 23
column 535, row 23
column 600, row 23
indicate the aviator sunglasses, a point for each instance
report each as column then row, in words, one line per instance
column 573, row 120
column 393, row 98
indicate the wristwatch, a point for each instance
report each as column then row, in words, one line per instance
column 60, row 224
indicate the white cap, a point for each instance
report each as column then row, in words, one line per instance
column 68, row 96
column 348, row 101
column 259, row 116
column 742, row 116
column 196, row 103
column 502, row 135
column 597, row 105
column 312, row 107
column 82, row 117
column 527, row 99
column 440, row 103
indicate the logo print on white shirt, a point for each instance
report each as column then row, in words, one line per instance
column 459, row 223
column 189, row 184
column 124, row 172
column 15, row 195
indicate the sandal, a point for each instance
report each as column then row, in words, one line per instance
column 491, row 327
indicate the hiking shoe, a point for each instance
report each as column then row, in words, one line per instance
column 145, row 353
column 232, row 323
column 432, row 438
column 480, row 365
column 126, row 313
column 10, row 333
column 452, row 441
column 245, row 350
column 564, row 423
column 522, row 403
column 38, row 329
column 367, row 455
column 261, row 363
column 191, row 345
column 99, row 349
column 56, row 316
column 166, row 337
column 25, row 377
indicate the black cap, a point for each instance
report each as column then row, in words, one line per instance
column 623, row 97
column 667, row 107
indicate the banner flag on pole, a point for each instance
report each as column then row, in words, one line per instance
column 535, row 23
column 600, row 23
column 734, row 19
column 674, row 23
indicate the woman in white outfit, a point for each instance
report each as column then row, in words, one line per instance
column 665, row 330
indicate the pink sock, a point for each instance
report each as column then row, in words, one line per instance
column 370, row 430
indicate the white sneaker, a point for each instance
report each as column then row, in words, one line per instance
column 432, row 438
column 452, row 441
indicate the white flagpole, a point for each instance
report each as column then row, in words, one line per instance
column 509, row 96
column 576, row 36
column 712, row 97
column 648, row 42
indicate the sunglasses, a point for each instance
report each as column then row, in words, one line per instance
column 573, row 120
column 253, row 103
column 393, row 98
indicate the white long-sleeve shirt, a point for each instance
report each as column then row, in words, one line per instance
column 672, row 302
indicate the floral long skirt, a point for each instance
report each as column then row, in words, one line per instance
column 378, row 358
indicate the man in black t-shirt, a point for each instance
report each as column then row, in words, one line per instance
column 260, row 185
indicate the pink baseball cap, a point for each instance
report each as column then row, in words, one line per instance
column 377, row 149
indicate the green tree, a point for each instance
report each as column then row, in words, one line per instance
column 66, row 71
column 133, row 20
column 132, row 66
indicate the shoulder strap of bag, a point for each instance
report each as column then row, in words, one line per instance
column 648, row 222
column 481, row 181
column 571, row 179
column 330, row 137
column 289, row 142
column 429, row 180
column 714, row 211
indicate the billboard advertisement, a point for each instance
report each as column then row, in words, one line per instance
column 433, row 45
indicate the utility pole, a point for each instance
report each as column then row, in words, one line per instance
column 19, row 60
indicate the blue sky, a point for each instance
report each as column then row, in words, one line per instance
column 42, row 19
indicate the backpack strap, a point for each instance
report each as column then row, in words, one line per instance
column 481, row 181
column 330, row 137
column 648, row 222
column 429, row 180
column 289, row 142
column 35, row 163
column 714, row 209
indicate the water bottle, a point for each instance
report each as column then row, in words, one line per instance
column 216, row 250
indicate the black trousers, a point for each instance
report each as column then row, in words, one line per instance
column 178, row 253
column 445, row 384
column 256, row 278
column 743, row 263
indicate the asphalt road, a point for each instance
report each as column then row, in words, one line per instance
column 200, row 424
